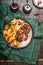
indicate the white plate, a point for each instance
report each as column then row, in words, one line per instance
column 27, row 42
column 38, row 3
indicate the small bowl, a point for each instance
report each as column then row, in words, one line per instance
column 29, row 8
column 14, row 7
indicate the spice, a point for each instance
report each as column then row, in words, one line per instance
column 39, row 2
column 38, row 20
column 36, row 14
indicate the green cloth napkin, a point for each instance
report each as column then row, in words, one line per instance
column 30, row 53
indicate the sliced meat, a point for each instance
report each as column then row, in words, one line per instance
column 22, row 33
column 21, row 37
column 26, row 25
column 26, row 30
column 25, row 36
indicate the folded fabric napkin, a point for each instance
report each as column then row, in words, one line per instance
column 30, row 53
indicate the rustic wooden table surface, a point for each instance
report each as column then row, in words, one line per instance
column 34, row 9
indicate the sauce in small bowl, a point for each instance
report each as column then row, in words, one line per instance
column 14, row 7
